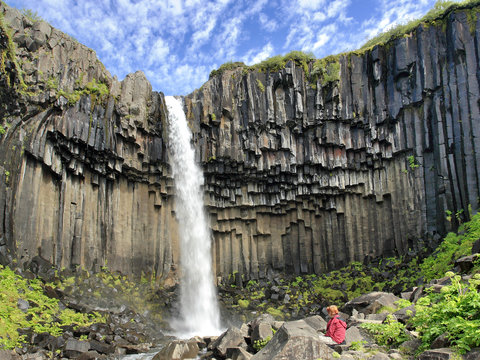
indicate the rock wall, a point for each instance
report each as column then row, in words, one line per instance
column 84, row 167
column 305, row 177
column 300, row 177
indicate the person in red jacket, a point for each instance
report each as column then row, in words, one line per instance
column 336, row 327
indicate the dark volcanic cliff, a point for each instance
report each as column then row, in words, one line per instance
column 300, row 177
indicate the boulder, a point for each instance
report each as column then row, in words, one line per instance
column 474, row 354
column 317, row 323
column 294, row 340
column 178, row 350
column 404, row 314
column 440, row 342
column 231, row 338
column 74, row 347
column 465, row 264
column 262, row 332
column 238, row 353
column 372, row 302
column 354, row 334
column 438, row 354
column 410, row 346
column 9, row 355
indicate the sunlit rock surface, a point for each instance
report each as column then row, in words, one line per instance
column 299, row 177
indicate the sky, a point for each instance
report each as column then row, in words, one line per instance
column 176, row 43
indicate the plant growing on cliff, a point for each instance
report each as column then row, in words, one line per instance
column 326, row 70
column 10, row 54
column 31, row 15
column 260, row 85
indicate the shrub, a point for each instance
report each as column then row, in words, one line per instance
column 454, row 311
column 390, row 333
column 452, row 247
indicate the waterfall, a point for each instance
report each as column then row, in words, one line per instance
column 199, row 314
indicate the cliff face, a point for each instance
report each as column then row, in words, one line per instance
column 306, row 177
column 84, row 174
column 300, row 177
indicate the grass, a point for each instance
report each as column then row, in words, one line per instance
column 43, row 315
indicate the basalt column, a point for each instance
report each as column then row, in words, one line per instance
column 306, row 176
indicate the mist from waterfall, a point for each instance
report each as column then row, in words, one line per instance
column 199, row 313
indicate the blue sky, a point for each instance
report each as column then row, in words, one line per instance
column 176, row 43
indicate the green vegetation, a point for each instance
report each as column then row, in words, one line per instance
column 412, row 162
column 260, row 85
column 389, row 333
column 454, row 311
column 260, row 344
column 326, row 70
column 2, row 130
column 31, row 15
column 452, row 247
column 97, row 90
column 438, row 11
column 40, row 313
column 10, row 54
column 274, row 63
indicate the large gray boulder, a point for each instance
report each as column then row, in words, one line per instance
column 317, row 323
column 372, row 302
column 231, row 338
column 178, row 350
column 294, row 340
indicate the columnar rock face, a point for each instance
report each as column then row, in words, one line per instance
column 300, row 177
column 85, row 177
column 306, row 177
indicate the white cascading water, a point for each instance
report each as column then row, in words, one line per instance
column 199, row 314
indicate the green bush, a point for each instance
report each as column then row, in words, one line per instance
column 452, row 247
column 390, row 333
column 454, row 311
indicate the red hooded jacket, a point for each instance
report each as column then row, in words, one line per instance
column 336, row 329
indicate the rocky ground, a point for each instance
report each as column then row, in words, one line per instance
column 272, row 318
column 134, row 327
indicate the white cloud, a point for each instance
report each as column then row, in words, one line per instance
column 256, row 56
column 267, row 23
column 177, row 42
column 311, row 4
